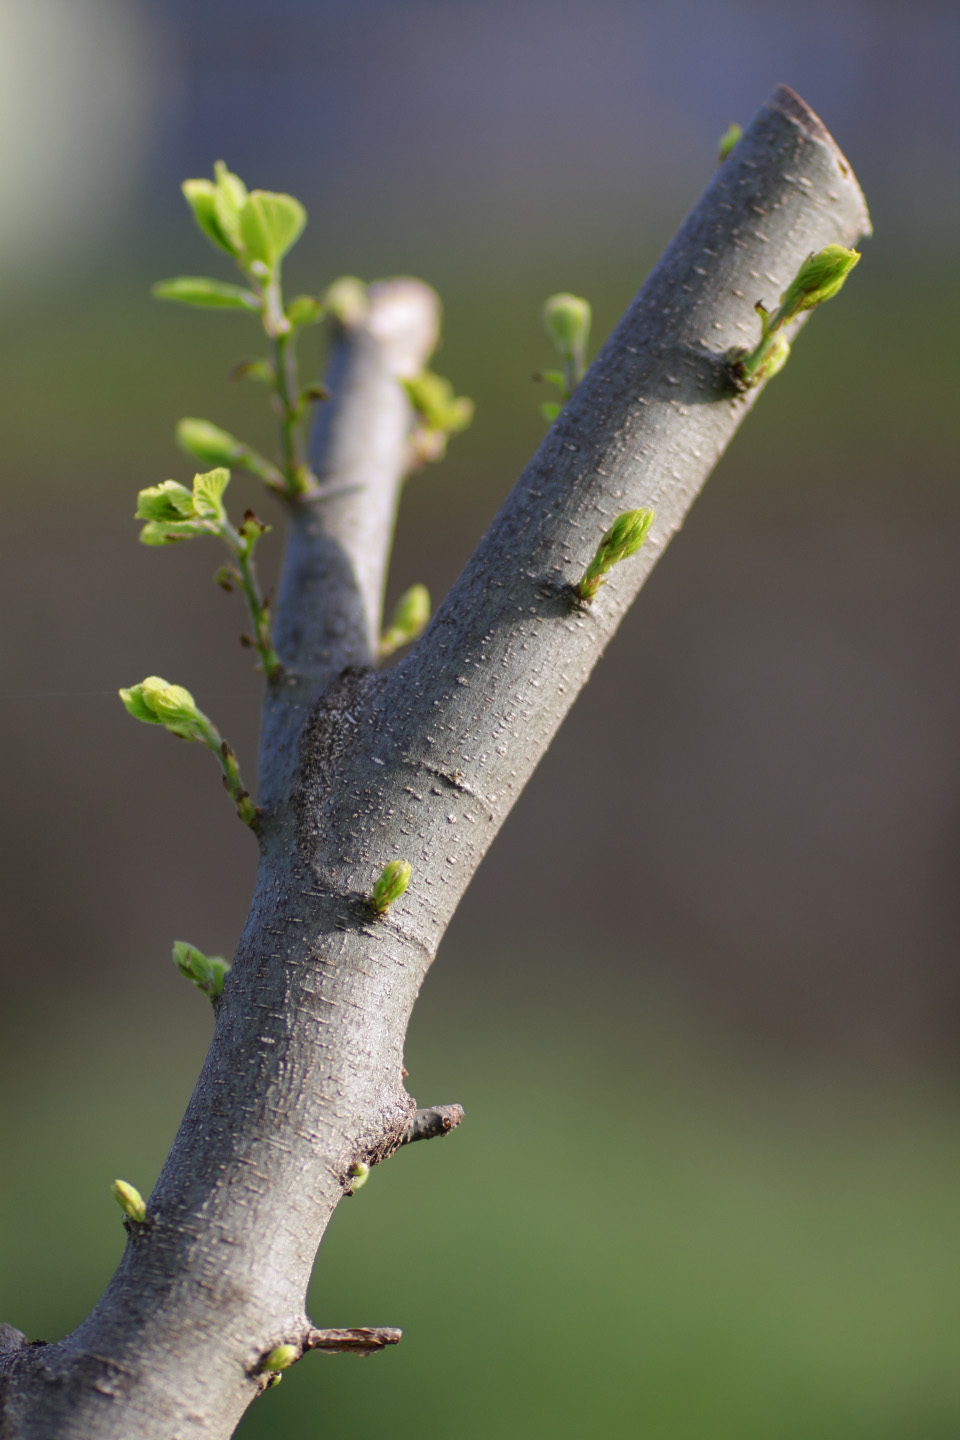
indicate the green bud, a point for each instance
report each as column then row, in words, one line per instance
column 433, row 399
column 208, row 443
column 358, row 1174
column 728, row 139
column 158, row 703
column 252, row 527
column 174, row 513
column 623, row 539
column 201, row 196
column 393, row 881
column 410, row 618
column 269, row 225
column 174, row 706
column 207, row 294
column 130, row 1200
column 818, row 279
column 305, row 310
column 566, row 319
column 208, row 491
column 280, row 1358
column 550, row 409
column 207, row 972
column 137, row 706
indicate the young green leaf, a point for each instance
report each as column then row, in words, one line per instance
column 169, row 501
column 208, row 491
column 174, row 513
column 201, row 196
column 230, row 196
column 269, row 225
column 208, row 294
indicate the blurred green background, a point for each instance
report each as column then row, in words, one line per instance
column 709, row 1176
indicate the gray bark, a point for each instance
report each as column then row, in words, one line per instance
column 422, row 762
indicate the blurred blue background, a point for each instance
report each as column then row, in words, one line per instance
column 709, row 1176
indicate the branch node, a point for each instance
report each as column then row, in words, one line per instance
column 428, row 1124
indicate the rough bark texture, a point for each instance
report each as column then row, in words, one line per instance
column 422, row 762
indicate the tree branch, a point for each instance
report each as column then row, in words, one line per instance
column 354, row 1342
column 428, row 1124
column 330, row 600
column 304, row 1076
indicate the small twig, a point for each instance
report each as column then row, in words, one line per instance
column 437, row 1120
column 361, row 1341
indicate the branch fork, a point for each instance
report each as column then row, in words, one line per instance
column 301, row 1077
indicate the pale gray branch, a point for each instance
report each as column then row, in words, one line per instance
column 330, row 599
column 304, row 1076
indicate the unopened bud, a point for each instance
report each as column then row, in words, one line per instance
column 207, row 972
column 728, row 139
column 130, row 1200
column 208, row 443
column 410, row 618
column 818, row 279
column 281, row 1357
column 158, row 703
column 393, row 881
column 623, row 539
column 358, row 1175
column 566, row 319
